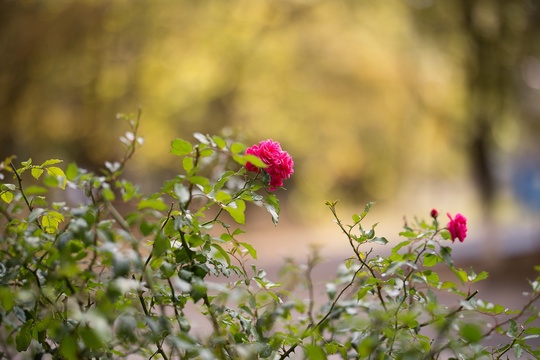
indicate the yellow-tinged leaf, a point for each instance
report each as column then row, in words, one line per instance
column 5, row 164
column 6, row 196
column 36, row 172
column 51, row 220
column 188, row 163
column 51, row 162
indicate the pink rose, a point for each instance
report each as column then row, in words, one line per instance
column 280, row 163
column 434, row 213
column 457, row 227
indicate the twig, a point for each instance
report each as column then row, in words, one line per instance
column 357, row 253
column 312, row 328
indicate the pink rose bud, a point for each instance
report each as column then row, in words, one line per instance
column 434, row 213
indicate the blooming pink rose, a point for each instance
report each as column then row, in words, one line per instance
column 457, row 227
column 280, row 163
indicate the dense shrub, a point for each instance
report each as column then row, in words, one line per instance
column 120, row 273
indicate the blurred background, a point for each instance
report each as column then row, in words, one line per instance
column 414, row 104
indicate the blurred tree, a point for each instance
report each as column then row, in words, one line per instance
column 364, row 94
column 64, row 75
column 495, row 38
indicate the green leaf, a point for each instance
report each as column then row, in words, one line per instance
column 445, row 234
column 35, row 190
column 238, row 232
column 188, row 164
column 530, row 320
column 24, row 336
column 272, row 211
column 362, row 292
column 36, row 172
column 472, row 333
column 222, row 144
column 181, row 147
column 59, row 174
column 107, row 194
column 90, row 338
column 7, row 299
column 366, row 347
column 379, row 240
column 198, row 291
column 518, row 350
column 408, row 234
column 396, row 248
column 223, row 197
column 446, row 254
column 237, row 147
column 10, row 187
column 512, row 329
column 68, row 347
column 199, row 180
column 255, row 160
column 482, row 276
column 461, row 275
column 71, row 171
column 273, row 200
column 237, row 211
column 533, row 330
column 222, row 252
column 27, row 163
column 250, row 249
column 147, row 228
column 223, row 179
column 6, row 196
column 156, row 204
column 314, row 352
column 431, row 260
column 206, row 152
column 161, row 244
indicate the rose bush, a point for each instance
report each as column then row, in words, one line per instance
column 122, row 274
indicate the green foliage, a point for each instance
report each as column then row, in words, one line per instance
column 125, row 273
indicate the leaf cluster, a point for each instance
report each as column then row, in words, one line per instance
column 119, row 273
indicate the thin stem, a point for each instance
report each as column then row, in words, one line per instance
column 357, row 253
column 117, row 216
column 19, row 180
column 515, row 317
column 131, row 148
column 147, row 313
column 312, row 328
column 174, row 301
column 310, row 266
column 190, row 190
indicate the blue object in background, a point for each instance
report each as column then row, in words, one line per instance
column 526, row 183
